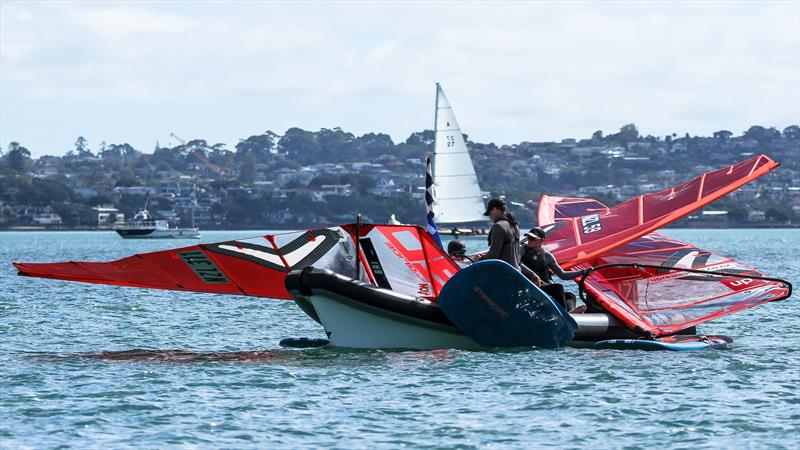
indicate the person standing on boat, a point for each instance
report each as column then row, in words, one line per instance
column 504, row 235
column 537, row 264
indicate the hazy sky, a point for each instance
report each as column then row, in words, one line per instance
column 134, row 72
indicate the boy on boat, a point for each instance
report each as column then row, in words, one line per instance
column 458, row 252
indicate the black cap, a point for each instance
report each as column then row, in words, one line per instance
column 495, row 203
column 456, row 247
column 535, row 233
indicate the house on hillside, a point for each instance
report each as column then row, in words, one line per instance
column 108, row 216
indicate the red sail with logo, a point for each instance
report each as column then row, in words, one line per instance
column 578, row 239
column 258, row 266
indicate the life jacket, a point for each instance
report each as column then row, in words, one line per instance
column 535, row 260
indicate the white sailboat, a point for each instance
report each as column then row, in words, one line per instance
column 458, row 195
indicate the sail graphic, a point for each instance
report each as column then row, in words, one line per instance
column 458, row 195
column 553, row 208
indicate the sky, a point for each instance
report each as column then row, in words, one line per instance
column 118, row 72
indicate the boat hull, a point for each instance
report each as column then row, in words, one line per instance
column 349, row 324
column 155, row 233
column 358, row 315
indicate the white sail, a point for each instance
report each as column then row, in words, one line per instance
column 458, row 195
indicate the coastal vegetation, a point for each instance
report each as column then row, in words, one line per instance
column 305, row 178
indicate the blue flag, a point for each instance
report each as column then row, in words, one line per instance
column 429, row 199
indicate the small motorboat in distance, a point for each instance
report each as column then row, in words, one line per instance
column 144, row 226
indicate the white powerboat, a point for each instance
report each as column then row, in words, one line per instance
column 144, row 226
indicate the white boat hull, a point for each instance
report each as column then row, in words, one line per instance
column 358, row 327
column 355, row 314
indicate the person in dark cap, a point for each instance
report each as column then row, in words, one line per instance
column 537, row 264
column 504, row 235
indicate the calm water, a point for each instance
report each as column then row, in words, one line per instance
column 91, row 366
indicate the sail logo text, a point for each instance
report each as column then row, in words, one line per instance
column 203, row 267
column 591, row 223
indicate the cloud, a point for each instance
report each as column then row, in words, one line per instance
column 513, row 71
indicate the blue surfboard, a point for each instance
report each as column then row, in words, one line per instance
column 496, row 306
column 674, row 343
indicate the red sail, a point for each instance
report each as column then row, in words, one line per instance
column 258, row 266
column 255, row 266
column 404, row 259
column 578, row 239
column 660, row 300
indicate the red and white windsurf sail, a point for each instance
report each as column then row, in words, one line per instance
column 580, row 238
column 658, row 285
column 649, row 285
column 402, row 258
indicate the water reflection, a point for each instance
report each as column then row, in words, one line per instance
column 172, row 356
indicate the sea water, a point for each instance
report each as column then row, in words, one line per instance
column 92, row 366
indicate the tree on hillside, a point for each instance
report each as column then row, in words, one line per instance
column 792, row 132
column 18, row 158
column 424, row 138
column 628, row 133
column 300, row 145
column 337, row 142
column 247, row 174
column 778, row 214
column 262, row 146
column 762, row 135
column 119, row 152
column 82, row 147
column 372, row 145
column 723, row 135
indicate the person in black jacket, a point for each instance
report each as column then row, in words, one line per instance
column 538, row 264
